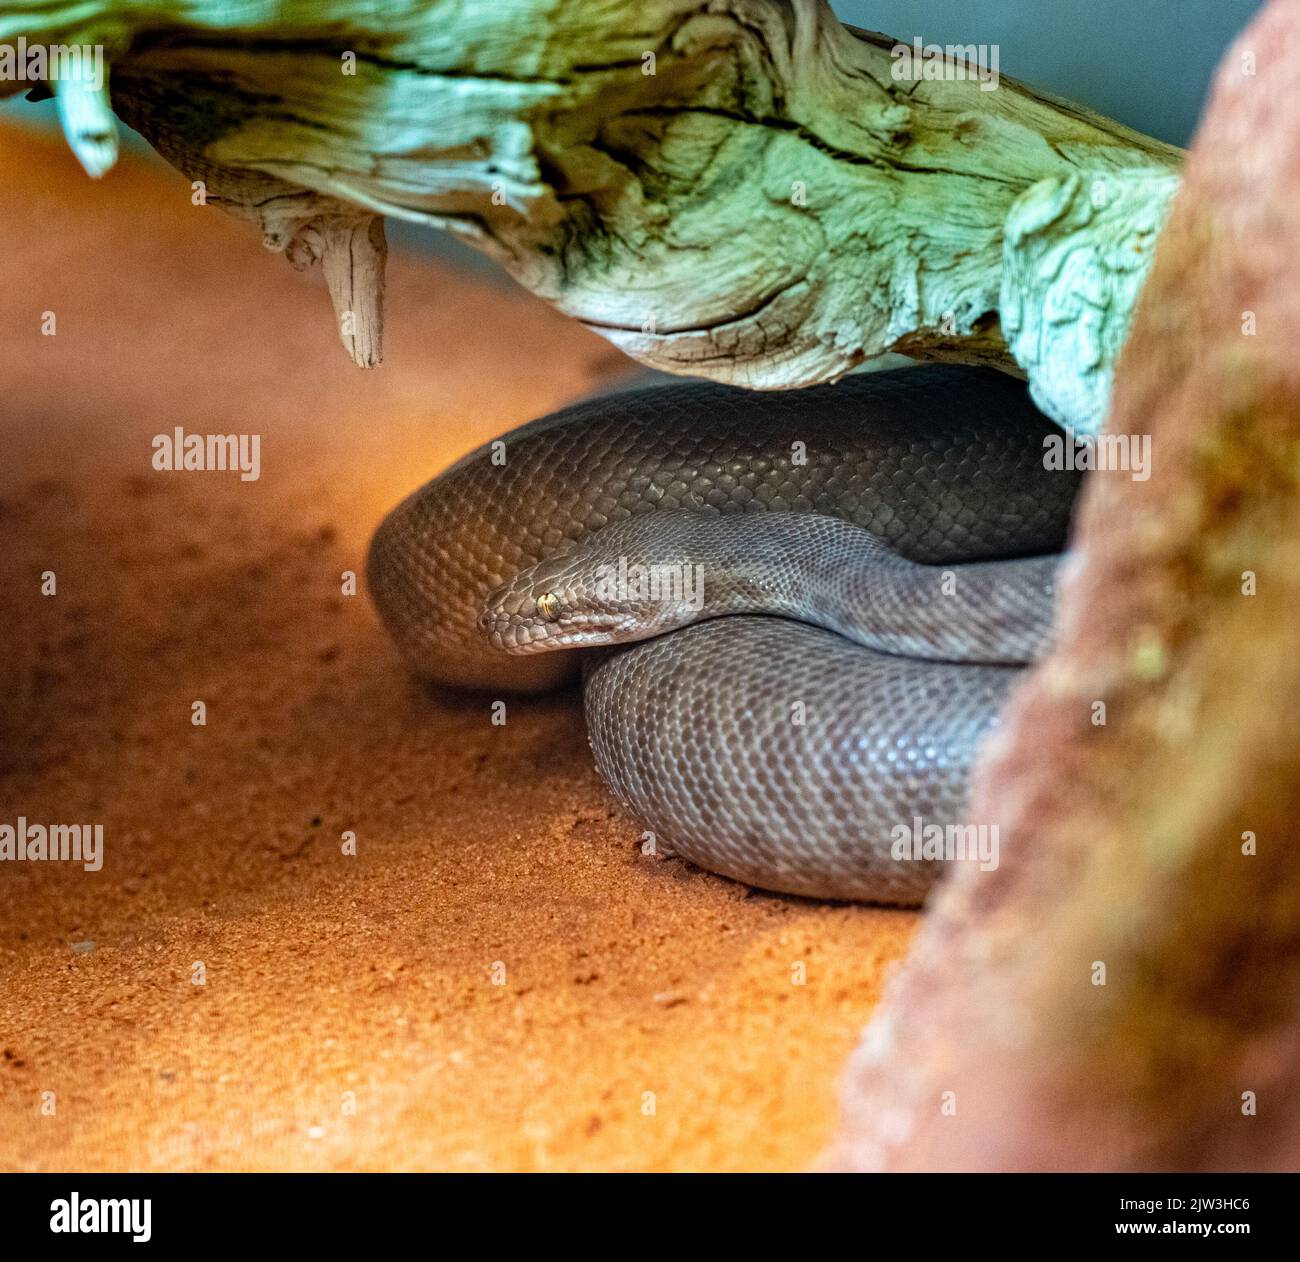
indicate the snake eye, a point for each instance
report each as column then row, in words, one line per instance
column 548, row 605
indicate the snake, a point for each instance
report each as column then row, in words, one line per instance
column 795, row 615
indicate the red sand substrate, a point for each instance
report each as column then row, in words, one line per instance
column 349, row 1017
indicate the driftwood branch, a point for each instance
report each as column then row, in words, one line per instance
column 1124, row 991
column 741, row 189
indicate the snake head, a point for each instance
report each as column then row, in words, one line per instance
column 598, row 593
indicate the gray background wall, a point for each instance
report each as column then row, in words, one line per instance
column 1147, row 63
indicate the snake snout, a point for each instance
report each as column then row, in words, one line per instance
column 529, row 614
column 603, row 592
column 510, row 620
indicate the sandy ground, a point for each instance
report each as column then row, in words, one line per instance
column 349, row 1016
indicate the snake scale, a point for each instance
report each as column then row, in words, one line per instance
column 796, row 614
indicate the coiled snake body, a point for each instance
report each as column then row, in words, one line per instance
column 832, row 591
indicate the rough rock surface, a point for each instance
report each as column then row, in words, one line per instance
column 1159, row 846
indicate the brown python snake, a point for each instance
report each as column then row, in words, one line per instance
column 797, row 614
